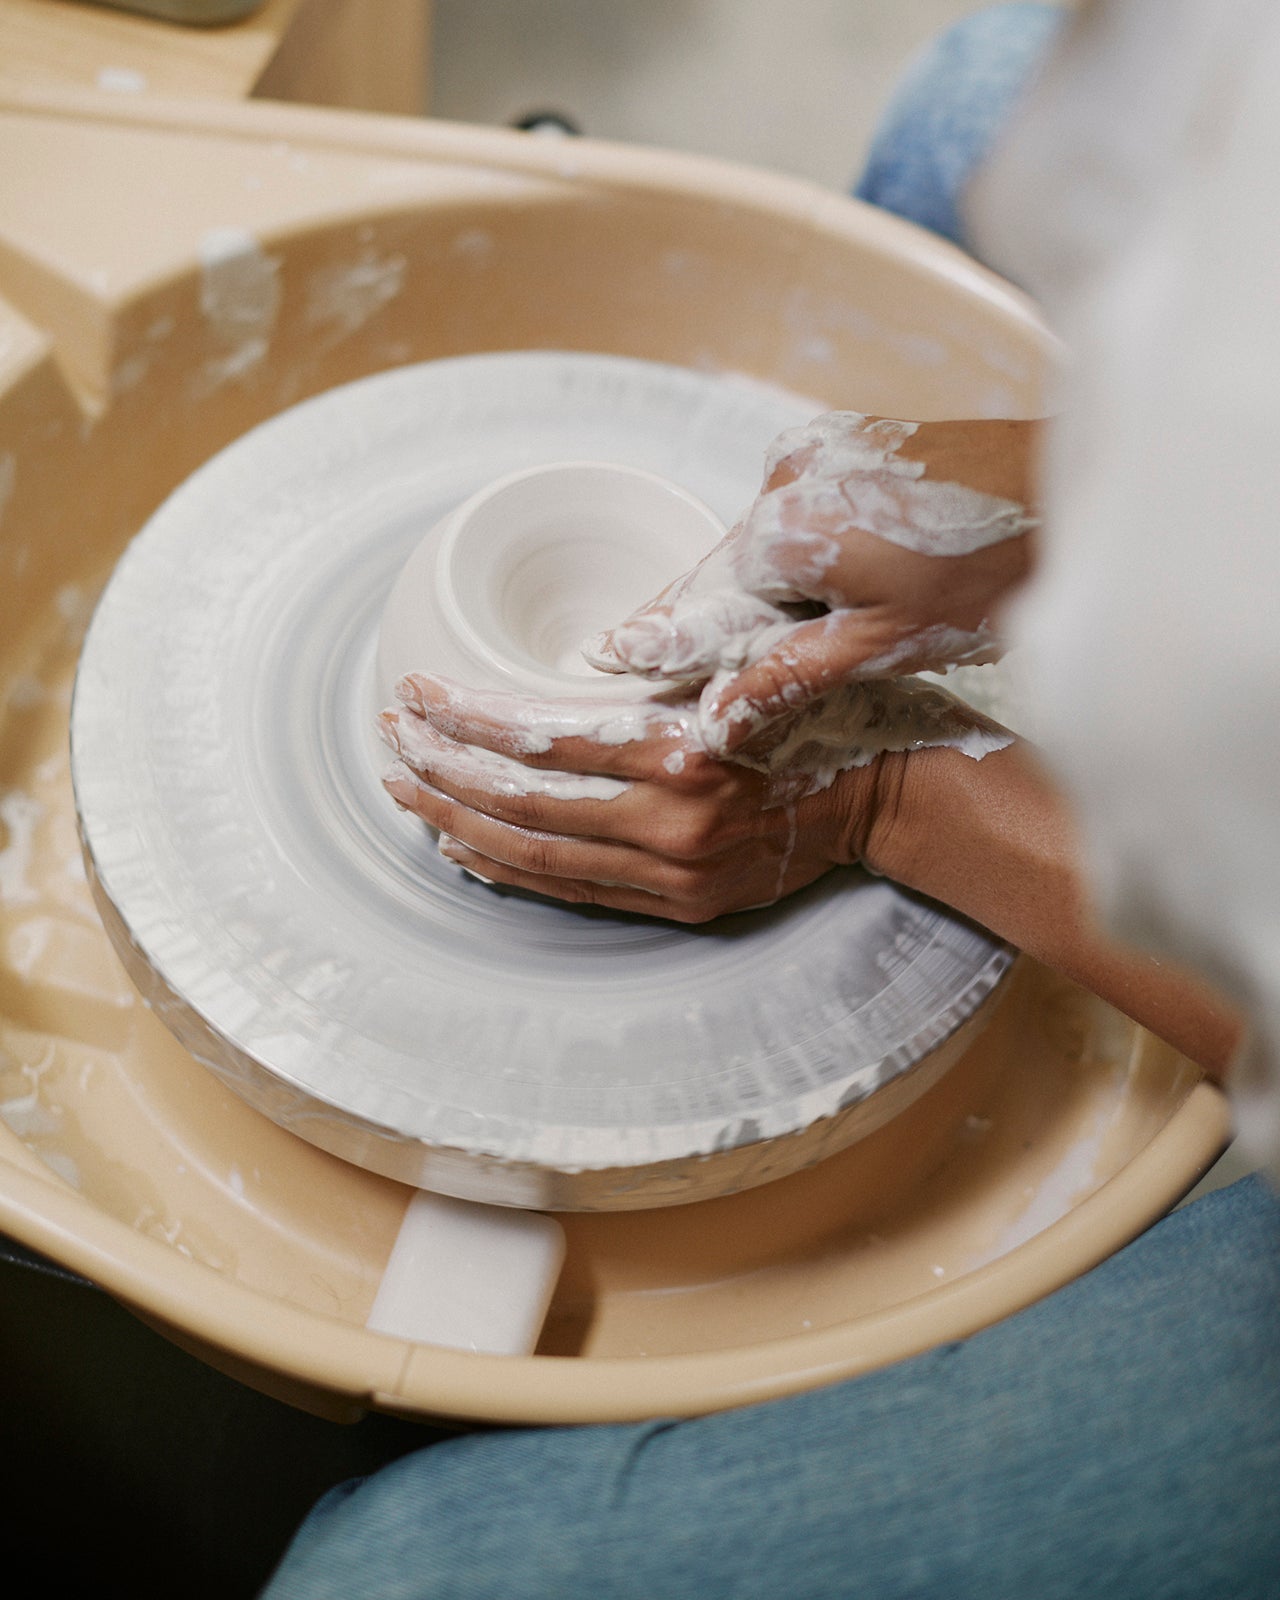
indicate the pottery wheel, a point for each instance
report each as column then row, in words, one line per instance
column 303, row 938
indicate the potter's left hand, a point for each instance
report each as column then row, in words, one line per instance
column 902, row 537
column 612, row 804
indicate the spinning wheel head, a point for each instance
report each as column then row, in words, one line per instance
column 306, row 941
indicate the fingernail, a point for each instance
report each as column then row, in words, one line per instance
column 724, row 725
column 461, row 856
column 401, row 785
column 388, row 729
column 643, row 643
column 416, row 691
column 598, row 652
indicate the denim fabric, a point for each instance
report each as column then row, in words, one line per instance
column 947, row 110
column 1119, row 1440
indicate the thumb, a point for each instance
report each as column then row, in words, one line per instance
column 807, row 662
column 690, row 639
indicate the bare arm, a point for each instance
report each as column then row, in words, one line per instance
column 993, row 840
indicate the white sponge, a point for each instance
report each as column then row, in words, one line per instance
column 470, row 1276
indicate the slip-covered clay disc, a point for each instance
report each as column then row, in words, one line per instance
column 303, row 937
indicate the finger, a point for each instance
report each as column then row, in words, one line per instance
column 574, row 873
column 691, row 899
column 792, row 538
column 835, row 443
column 598, row 651
column 624, row 739
column 565, row 804
column 809, row 661
column 573, row 891
column 554, row 864
column 703, row 632
column 561, row 802
column 531, row 850
column 601, row 649
column 816, row 659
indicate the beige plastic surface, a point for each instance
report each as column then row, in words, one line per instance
column 1062, row 1132
column 318, row 52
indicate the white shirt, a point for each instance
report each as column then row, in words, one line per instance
column 1138, row 197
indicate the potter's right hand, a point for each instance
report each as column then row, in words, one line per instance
column 614, row 805
column 631, row 813
column 875, row 549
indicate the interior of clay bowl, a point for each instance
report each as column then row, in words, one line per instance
column 1060, row 1133
column 505, row 591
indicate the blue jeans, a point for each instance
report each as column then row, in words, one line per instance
column 1120, row 1440
column 950, row 104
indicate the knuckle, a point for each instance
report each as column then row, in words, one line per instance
column 783, row 680
column 695, row 894
column 538, row 854
column 690, row 837
column 579, row 892
column 685, row 772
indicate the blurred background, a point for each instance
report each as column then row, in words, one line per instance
column 792, row 85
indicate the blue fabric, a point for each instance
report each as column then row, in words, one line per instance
column 947, row 110
column 1119, row 1440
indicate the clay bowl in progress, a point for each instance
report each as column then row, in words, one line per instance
column 364, row 244
column 505, row 590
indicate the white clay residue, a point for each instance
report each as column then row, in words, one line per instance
column 739, row 603
column 26, row 693
column 20, row 816
column 712, row 624
column 530, row 726
column 130, row 370
column 847, row 728
column 817, row 325
column 853, row 725
column 129, row 373
column 25, row 1113
column 343, row 297
column 239, row 298
column 424, row 752
column 475, row 245
column 121, row 80
column 887, row 494
column 960, row 647
column 75, row 607
column 1058, row 1192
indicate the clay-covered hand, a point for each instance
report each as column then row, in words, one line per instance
column 618, row 803
column 876, row 548
column 618, row 806
column 612, row 804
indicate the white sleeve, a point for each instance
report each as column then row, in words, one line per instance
column 1153, row 628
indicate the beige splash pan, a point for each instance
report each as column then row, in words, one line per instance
column 1062, row 1132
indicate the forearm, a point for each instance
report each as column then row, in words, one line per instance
column 992, row 839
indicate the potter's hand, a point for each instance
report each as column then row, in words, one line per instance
column 618, row 803
column 612, row 804
column 875, row 548
column 618, row 806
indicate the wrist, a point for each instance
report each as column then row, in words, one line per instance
column 880, row 822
